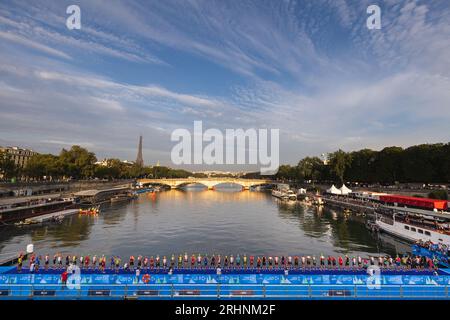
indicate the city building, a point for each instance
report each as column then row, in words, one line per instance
column 18, row 155
column 325, row 158
column 107, row 162
column 128, row 162
column 103, row 163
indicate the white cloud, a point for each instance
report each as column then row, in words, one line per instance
column 58, row 39
column 94, row 82
column 33, row 44
column 60, row 143
column 311, row 69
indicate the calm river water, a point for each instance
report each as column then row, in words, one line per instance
column 224, row 221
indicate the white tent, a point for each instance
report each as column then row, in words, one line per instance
column 334, row 190
column 344, row 190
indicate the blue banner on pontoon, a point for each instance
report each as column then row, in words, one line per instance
column 225, row 279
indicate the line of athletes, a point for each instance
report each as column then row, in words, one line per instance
column 214, row 261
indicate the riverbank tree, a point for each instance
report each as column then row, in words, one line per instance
column 80, row 163
column 425, row 163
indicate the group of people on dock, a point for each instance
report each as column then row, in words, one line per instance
column 435, row 247
column 228, row 262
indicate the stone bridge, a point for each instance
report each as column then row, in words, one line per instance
column 208, row 182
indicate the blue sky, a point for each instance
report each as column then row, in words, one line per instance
column 310, row 68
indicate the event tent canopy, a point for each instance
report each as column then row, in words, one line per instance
column 333, row 190
column 344, row 190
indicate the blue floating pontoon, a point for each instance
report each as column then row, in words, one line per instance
column 230, row 284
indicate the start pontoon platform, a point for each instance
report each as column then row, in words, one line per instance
column 232, row 285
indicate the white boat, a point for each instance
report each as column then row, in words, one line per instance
column 283, row 192
column 277, row 193
column 290, row 195
column 414, row 225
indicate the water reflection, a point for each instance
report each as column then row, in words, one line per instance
column 196, row 220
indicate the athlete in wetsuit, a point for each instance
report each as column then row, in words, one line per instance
column 152, row 262
column 186, row 259
column 86, row 262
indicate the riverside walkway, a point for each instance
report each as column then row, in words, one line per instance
column 363, row 208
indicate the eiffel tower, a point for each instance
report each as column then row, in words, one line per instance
column 139, row 158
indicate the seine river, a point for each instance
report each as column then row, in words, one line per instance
column 224, row 221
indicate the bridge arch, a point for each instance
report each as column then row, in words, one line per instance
column 161, row 184
column 210, row 183
column 186, row 184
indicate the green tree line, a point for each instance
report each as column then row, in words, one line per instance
column 425, row 163
column 79, row 163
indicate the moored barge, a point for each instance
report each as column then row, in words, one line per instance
column 23, row 210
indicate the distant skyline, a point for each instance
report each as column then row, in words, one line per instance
column 310, row 68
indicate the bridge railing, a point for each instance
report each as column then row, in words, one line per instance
column 221, row 291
